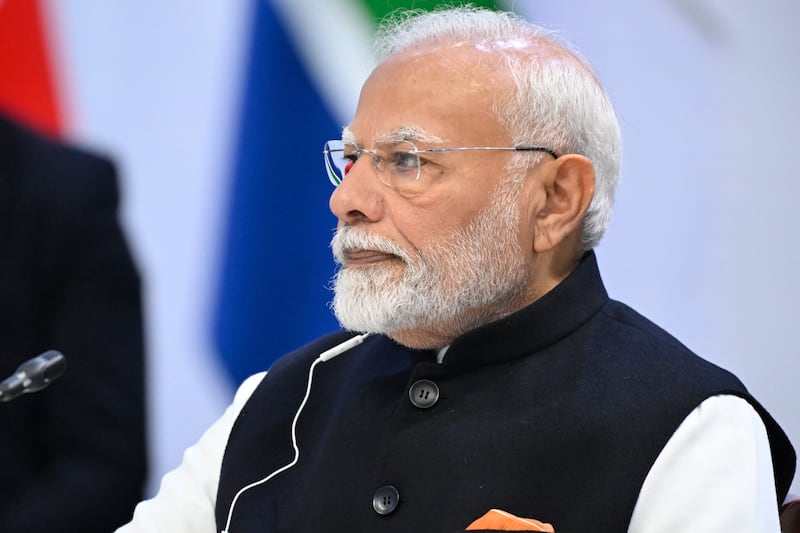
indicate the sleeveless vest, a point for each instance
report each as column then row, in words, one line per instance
column 556, row 412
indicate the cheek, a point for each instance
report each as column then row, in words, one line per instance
column 421, row 226
column 450, row 206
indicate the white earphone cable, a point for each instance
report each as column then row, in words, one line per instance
column 324, row 356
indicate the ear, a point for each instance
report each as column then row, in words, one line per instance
column 569, row 188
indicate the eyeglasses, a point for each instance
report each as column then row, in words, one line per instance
column 397, row 164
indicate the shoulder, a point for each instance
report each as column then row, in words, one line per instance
column 722, row 431
column 652, row 353
column 660, row 381
column 48, row 169
column 288, row 370
column 39, row 150
column 286, row 380
column 306, row 354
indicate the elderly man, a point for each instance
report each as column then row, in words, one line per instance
column 493, row 371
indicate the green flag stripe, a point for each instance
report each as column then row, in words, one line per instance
column 380, row 8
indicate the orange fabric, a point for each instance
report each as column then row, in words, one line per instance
column 503, row 521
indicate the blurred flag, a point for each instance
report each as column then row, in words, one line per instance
column 27, row 85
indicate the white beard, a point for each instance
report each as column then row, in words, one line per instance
column 457, row 283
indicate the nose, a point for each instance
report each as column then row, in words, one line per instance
column 359, row 197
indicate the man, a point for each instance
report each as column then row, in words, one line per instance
column 73, row 455
column 473, row 182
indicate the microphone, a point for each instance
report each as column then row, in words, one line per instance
column 33, row 375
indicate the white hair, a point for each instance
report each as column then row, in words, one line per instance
column 558, row 101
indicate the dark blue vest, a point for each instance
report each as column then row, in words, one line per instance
column 556, row 413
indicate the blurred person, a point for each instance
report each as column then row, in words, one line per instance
column 73, row 455
column 485, row 380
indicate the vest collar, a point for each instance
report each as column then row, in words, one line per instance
column 544, row 322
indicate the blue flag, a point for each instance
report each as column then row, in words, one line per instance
column 273, row 294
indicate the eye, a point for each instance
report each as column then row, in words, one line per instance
column 404, row 161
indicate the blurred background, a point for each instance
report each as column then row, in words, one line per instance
column 216, row 112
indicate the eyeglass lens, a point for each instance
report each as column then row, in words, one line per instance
column 396, row 164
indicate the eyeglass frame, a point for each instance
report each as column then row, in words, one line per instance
column 336, row 180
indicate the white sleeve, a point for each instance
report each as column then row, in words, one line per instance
column 713, row 476
column 187, row 496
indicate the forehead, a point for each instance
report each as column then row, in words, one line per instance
column 447, row 93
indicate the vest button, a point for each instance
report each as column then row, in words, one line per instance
column 424, row 393
column 385, row 500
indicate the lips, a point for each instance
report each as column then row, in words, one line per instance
column 367, row 257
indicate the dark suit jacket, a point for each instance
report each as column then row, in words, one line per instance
column 72, row 457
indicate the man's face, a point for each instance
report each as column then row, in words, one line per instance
column 429, row 266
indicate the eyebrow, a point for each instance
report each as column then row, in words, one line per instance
column 348, row 137
column 414, row 134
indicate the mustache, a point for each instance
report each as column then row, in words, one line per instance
column 349, row 238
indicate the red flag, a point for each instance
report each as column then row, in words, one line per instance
column 27, row 85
